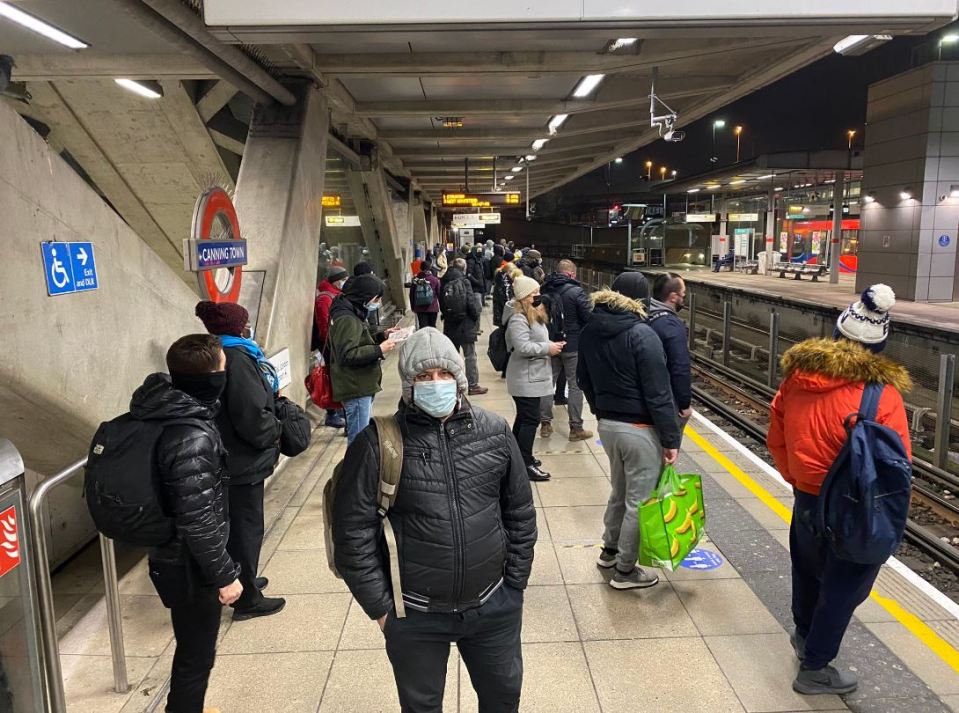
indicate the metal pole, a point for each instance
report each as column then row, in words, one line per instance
column 629, row 241
column 947, row 380
column 727, row 324
column 835, row 246
column 773, row 349
column 692, row 321
column 527, row 192
column 114, row 616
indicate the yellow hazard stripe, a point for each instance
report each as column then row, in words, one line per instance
column 916, row 626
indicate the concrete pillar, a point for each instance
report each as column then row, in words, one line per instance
column 371, row 195
column 910, row 229
column 435, row 236
column 771, row 221
column 420, row 229
column 278, row 202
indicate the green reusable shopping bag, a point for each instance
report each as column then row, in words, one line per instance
column 672, row 520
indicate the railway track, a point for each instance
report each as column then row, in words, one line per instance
column 750, row 395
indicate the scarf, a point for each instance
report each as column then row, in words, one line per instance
column 267, row 370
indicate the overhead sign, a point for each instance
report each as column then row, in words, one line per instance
column 342, row 221
column 701, row 217
column 484, row 218
column 743, row 217
column 281, row 362
column 199, row 255
column 471, row 226
column 69, row 267
column 332, row 201
column 466, row 232
column 480, row 200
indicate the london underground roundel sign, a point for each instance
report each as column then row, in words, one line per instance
column 215, row 251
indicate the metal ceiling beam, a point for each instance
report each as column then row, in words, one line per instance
column 91, row 64
column 514, row 107
column 456, row 63
column 473, row 152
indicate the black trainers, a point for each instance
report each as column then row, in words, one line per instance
column 824, row 681
column 537, row 474
column 637, row 579
column 261, row 583
column 607, row 558
column 799, row 644
column 265, row 607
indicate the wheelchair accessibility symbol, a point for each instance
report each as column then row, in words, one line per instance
column 69, row 267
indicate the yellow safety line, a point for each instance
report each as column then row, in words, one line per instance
column 916, row 626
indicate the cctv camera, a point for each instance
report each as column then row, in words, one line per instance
column 674, row 136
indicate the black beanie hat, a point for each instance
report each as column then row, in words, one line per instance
column 362, row 268
column 632, row 284
column 363, row 288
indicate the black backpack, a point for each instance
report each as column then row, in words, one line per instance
column 556, row 326
column 497, row 351
column 453, row 299
column 122, row 481
column 295, row 431
column 422, row 292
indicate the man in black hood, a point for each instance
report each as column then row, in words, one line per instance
column 461, row 315
column 622, row 371
column 193, row 573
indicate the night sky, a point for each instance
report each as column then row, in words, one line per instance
column 809, row 110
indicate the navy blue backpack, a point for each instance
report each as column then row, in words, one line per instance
column 864, row 500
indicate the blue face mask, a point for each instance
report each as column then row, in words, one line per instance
column 372, row 306
column 437, row 398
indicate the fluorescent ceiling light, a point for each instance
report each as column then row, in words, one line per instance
column 516, row 169
column 539, row 143
column 530, row 157
column 713, row 187
column 950, row 39
column 855, row 45
column 737, row 182
column 510, row 178
column 150, row 90
column 40, row 27
column 556, row 122
column 693, row 190
column 587, row 84
column 622, row 42
column 763, row 178
column 868, row 198
column 905, row 195
column 779, row 188
column 954, row 191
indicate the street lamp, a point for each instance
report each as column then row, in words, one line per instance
column 662, row 173
column 718, row 124
column 649, row 170
column 850, row 134
column 739, row 132
column 674, row 173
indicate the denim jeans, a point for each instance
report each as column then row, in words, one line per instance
column 358, row 414
column 565, row 362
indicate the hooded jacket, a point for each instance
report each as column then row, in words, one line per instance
column 576, row 306
column 463, row 516
column 622, row 367
column 503, row 289
column 823, row 381
column 356, row 356
column 460, row 331
column 675, row 338
column 474, row 273
column 247, row 420
column 190, row 462
column 327, row 292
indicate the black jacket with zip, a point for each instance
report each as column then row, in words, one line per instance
column 463, row 516
column 190, row 462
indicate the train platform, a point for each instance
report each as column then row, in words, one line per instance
column 712, row 636
column 938, row 315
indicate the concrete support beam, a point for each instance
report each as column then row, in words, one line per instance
column 277, row 202
column 192, row 133
column 216, row 97
column 91, row 64
column 420, row 228
column 371, row 195
column 411, row 156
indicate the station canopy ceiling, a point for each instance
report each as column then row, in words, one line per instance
column 433, row 85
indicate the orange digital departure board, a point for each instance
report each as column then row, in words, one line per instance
column 480, row 200
column 332, row 201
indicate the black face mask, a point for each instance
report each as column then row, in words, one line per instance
column 538, row 300
column 679, row 307
column 205, row 388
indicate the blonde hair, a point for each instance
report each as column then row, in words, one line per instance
column 533, row 314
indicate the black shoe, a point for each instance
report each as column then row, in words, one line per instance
column 563, row 401
column 825, row 681
column 265, row 607
column 537, row 474
column 537, row 462
column 261, row 583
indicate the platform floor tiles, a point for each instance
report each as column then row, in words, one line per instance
column 699, row 641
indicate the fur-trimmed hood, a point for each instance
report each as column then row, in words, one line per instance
column 617, row 301
column 825, row 364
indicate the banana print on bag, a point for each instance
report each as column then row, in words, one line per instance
column 672, row 520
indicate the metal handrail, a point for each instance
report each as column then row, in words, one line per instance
column 48, row 621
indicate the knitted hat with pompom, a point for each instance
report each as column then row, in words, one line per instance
column 867, row 321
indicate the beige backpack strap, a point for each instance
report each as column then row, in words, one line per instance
column 391, row 469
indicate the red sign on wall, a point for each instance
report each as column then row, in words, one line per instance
column 9, row 541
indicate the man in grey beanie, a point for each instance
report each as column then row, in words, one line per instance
column 465, row 529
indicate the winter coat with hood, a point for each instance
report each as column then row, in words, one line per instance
column 529, row 372
column 190, row 463
column 622, row 367
column 434, row 307
column 326, row 293
column 474, row 273
column 576, row 306
column 823, row 381
column 463, row 516
column 247, row 420
column 356, row 369
column 672, row 332
column 463, row 330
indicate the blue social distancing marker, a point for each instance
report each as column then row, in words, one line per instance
column 69, row 267
column 703, row 560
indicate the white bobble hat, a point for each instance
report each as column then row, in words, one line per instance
column 867, row 321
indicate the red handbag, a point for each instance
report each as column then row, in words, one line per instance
column 320, row 387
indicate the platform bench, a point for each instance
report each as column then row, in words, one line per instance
column 798, row 270
column 750, row 267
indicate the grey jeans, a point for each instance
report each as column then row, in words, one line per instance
column 636, row 460
column 566, row 361
column 469, row 356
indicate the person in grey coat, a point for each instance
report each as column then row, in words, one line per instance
column 529, row 373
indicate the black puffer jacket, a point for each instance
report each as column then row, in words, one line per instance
column 622, row 368
column 190, row 460
column 460, row 331
column 576, row 306
column 463, row 516
column 474, row 272
column 247, row 421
